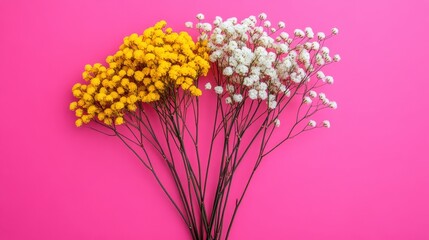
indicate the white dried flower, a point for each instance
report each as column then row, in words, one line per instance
column 319, row 60
column 312, row 123
column 217, row 21
column 308, row 45
column 334, row 31
column 189, row 24
column 253, row 94
column 326, row 124
column 262, row 94
column 277, row 122
column 329, row 79
column 218, row 89
column 325, row 50
column 263, row 86
column 328, row 58
column 333, row 105
column 287, row 93
column 233, row 20
column 320, row 75
column 282, row 48
column 284, row 35
column 307, row 100
column 299, row 33
column 312, row 93
column 272, row 104
column 227, row 71
column 267, row 24
column 242, row 69
column 207, row 27
column 262, row 16
column 208, row 86
column 228, row 100
column 315, row 46
column 321, row 35
column 309, row 32
column 237, row 98
column 230, row 88
column 200, row 16
column 337, row 58
column 281, row 24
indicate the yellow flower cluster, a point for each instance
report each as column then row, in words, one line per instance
column 140, row 72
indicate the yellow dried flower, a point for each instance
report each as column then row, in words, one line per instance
column 140, row 72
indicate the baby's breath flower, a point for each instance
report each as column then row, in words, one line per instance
column 262, row 16
column 218, row 89
column 277, row 122
column 228, row 71
column 208, row 86
column 272, row 104
column 312, row 123
column 189, row 24
column 200, row 16
column 267, row 24
column 333, row 105
column 262, row 94
column 281, row 24
column 228, row 100
column 312, row 93
column 299, row 33
column 329, row 79
column 307, row 100
column 326, row 124
column 315, row 46
column 320, row 75
column 325, row 50
column 284, row 35
column 337, row 58
column 321, row 36
column 334, row 31
column 309, row 32
column 237, row 98
column 253, row 94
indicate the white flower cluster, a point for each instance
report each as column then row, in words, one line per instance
column 262, row 62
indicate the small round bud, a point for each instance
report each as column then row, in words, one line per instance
column 200, row 16
column 337, row 58
column 312, row 123
column 208, row 86
column 321, row 35
column 277, row 122
column 189, row 24
column 326, row 124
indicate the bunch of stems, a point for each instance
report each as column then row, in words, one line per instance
column 242, row 127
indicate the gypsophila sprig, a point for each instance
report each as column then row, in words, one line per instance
column 265, row 82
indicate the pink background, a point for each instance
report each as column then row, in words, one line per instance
column 365, row 178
